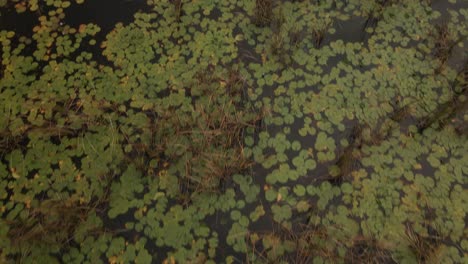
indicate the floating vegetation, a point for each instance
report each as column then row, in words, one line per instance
column 233, row 131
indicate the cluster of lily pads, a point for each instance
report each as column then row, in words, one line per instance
column 236, row 132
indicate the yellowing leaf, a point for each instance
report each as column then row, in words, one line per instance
column 279, row 197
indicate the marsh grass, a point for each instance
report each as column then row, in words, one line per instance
column 376, row 14
column 367, row 250
column 318, row 36
column 311, row 241
column 295, row 37
column 361, row 135
column 400, row 113
column 143, row 152
column 432, row 118
column 299, row 245
column 460, row 88
column 219, row 152
column 347, row 163
column 203, row 140
column 444, row 42
column 348, row 160
column 318, row 33
column 461, row 126
column 462, row 129
column 235, row 85
column 426, row 248
column 307, row 242
column 384, row 128
column 178, row 11
column 9, row 142
column 277, row 46
column 217, row 136
column 263, row 12
column 203, row 144
column 53, row 223
column 282, row 41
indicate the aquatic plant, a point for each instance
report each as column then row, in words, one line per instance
column 234, row 131
column 443, row 45
column 277, row 40
column 444, row 42
column 212, row 148
column 53, row 223
column 375, row 10
column 302, row 245
column 447, row 110
column 278, row 45
column 263, row 12
column 9, row 142
column 425, row 248
column 319, row 29
column 363, row 136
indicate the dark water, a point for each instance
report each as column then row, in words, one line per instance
column 105, row 13
column 22, row 23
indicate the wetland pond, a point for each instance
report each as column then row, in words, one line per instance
column 227, row 131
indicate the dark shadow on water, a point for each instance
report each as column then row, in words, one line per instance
column 351, row 30
column 104, row 13
column 22, row 24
